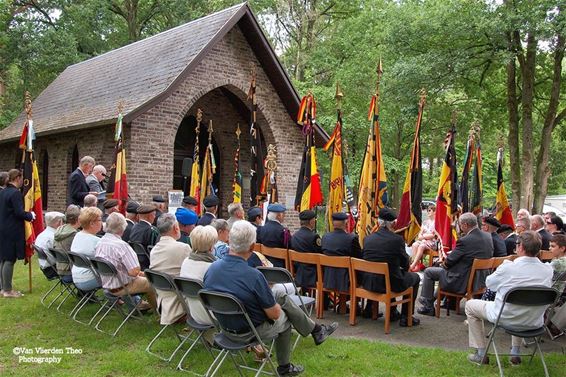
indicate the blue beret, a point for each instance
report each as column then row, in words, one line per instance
column 276, row 207
column 185, row 216
column 339, row 216
column 254, row 212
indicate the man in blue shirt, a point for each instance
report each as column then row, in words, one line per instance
column 271, row 315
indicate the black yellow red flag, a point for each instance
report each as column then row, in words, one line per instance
column 118, row 182
column 503, row 210
column 195, row 187
column 447, row 197
column 237, row 183
column 257, row 171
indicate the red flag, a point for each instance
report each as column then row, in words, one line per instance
column 447, row 198
column 118, row 183
column 503, row 209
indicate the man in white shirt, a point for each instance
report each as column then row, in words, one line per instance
column 526, row 270
column 45, row 239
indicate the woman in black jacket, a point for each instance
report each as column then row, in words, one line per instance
column 12, row 233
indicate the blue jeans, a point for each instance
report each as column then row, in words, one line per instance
column 87, row 286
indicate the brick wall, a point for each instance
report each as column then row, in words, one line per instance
column 150, row 137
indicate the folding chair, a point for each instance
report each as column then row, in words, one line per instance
column 189, row 288
column 276, row 255
column 534, row 296
column 227, row 305
column 108, row 270
column 333, row 262
column 165, row 283
column 82, row 261
column 141, row 252
column 69, row 289
column 278, row 275
column 472, row 288
column 556, row 318
column 43, row 256
column 307, row 259
column 360, row 265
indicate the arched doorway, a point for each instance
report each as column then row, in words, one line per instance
column 184, row 147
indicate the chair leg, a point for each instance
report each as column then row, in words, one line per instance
column 221, row 357
column 497, row 359
column 458, row 302
column 353, row 307
column 387, row 315
column 342, row 303
column 44, row 297
column 537, row 340
column 437, row 305
column 167, row 359
column 411, row 303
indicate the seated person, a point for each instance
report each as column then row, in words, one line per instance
column 526, row 270
column 84, row 243
column 222, row 227
column 554, row 225
column 454, row 273
column 306, row 240
column 236, row 213
column 197, row 263
column 425, row 240
column 538, row 225
column 44, row 240
column 386, row 246
column 63, row 239
column 211, row 203
column 271, row 316
column 187, row 220
column 255, row 217
column 144, row 232
column 132, row 219
column 167, row 256
column 491, row 225
column 509, row 237
column 558, row 249
column 273, row 233
column 118, row 253
column 190, row 203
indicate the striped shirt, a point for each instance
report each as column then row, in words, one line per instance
column 119, row 254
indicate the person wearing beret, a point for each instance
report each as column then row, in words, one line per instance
column 110, row 206
column 339, row 243
column 190, row 203
column 456, row 267
column 505, row 232
column 131, row 219
column 210, row 203
column 273, row 233
column 187, row 221
column 160, row 208
column 144, row 232
column 255, row 217
column 386, row 246
column 306, row 240
column 490, row 225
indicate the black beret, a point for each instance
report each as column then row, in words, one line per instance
column 158, row 199
column 211, row 201
column 387, row 214
column 109, row 203
column 339, row 216
column 253, row 213
column 190, row 200
column 132, row 207
column 307, row 215
column 492, row 221
column 145, row 208
column 504, row 228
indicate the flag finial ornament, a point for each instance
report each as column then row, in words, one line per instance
column 27, row 104
column 338, row 96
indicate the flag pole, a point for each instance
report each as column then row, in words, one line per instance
column 28, row 109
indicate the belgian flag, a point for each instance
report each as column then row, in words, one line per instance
column 309, row 190
column 447, row 197
column 503, row 210
column 410, row 210
column 476, row 200
column 464, row 184
column 257, row 171
column 118, row 182
column 31, row 189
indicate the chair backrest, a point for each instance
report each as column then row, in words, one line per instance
column 40, row 253
column 531, row 296
column 332, row 261
column 160, row 280
column 276, row 275
column 477, row 266
column 60, row 256
column 79, row 260
column 545, row 255
column 276, row 252
column 305, row 258
column 257, row 247
column 188, row 287
column 139, row 249
column 378, row 268
column 103, row 267
column 497, row 261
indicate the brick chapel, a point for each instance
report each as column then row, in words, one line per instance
column 161, row 82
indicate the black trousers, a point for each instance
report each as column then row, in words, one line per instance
column 412, row 279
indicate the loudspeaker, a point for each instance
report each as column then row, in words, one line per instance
column 186, row 169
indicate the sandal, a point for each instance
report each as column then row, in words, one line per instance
column 12, row 294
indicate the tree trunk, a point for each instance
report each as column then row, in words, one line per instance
column 543, row 169
column 528, row 78
column 513, row 136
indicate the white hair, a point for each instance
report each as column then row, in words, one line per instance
column 220, row 224
column 203, row 238
column 165, row 223
column 469, row 219
column 99, row 169
column 116, row 223
column 537, row 219
column 52, row 218
column 233, row 208
column 87, row 160
column 272, row 216
column 242, row 236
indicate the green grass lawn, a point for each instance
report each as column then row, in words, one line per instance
column 26, row 323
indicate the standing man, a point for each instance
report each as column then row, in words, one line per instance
column 144, row 232
column 95, row 180
column 339, row 243
column 131, row 219
column 386, row 246
column 526, row 270
column 12, row 234
column 306, row 240
column 210, row 203
column 236, row 213
column 187, row 220
column 491, row 225
column 78, row 188
column 455, row 271
column 273, row 233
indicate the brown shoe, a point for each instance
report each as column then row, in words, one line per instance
column 515, row 360
column 144, row 305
